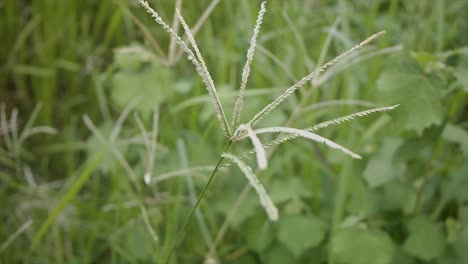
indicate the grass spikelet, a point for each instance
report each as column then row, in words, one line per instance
column 193, row 58
column 334, row 121
column 267, row 109
column 165, row 26
column 265, row 200
column 309, row 135
column 206, row 77
column 246, row 71
column 319, row 126
column 350, row 117
column 258, row 146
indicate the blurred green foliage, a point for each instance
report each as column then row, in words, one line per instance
column 405, row 202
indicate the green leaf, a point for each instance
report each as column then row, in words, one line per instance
column 397, row 196
column 455, row 187
column 278, row 254
column 400, row 257
column 381, row 169
column 259, row 233
column 287, row 188
column 69, row 195
column 425, row 58
column 419, row 96
column 362, row 201
column 462, row 244
column 299, row 233
column 224, row 205
column 426, row 240
column 131, row 57
column 462, row 77
column 138, row 243
column 358, row 246
column 411, row 149
column 456, row 134
column 243, row 259
column 149, row 86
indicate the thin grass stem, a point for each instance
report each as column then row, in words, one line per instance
column 192, row 212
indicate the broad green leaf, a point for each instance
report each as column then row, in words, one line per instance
column 456, row 134
column 294, row 206
column 400, row 257
column 462, row 244
column 362, row 201
column 149, row 86
column 288, row 188
column 299, row 233
column 455, row 187
column 358, row 246
column 424, row 58
column 258, row 232
column 412, row 148
column 397, row 196
column 243, row 259
column 279, row 254
column 426, row 240
column 462, row 77
column 132, row 57
column 225, row 202
column 138, row 243
column 418, row 94
column 381, row 168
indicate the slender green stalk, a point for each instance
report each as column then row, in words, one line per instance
column 202, row 194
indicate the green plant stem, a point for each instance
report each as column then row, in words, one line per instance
column 202, row 194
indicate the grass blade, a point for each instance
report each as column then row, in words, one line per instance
column 68, row 196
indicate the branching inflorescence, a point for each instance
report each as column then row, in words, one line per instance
column 236, row 131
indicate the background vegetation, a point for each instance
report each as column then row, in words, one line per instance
column 64, row 200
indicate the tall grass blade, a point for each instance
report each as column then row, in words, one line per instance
column 68, row 196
